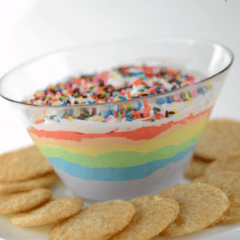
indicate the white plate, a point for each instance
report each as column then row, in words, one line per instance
column 9, row 232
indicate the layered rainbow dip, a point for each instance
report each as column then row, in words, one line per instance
column 124, row 132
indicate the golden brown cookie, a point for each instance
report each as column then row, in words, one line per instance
column 196, row 169
column 27, row 185
column 96, row 222
column 53, row 211
column 200, row 205
column 22, row 164
column 20, row 202
column 153, row 215
column 228, row 182
column 219, row 137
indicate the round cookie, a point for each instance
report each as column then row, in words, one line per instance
column 219, row 137
column 228, row 182
column 153, row 215
column 22, row 164
column 27, row 185
column 96, row 222
column 20, row 202
column 200, row 205
column 53, row 211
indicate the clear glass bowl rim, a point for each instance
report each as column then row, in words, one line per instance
column 103, row 43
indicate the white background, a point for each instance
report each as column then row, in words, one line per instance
column 32, row 27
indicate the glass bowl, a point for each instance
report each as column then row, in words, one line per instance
column 120, row 159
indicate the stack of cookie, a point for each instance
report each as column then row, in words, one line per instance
column 219, row 147
column 176, row 211
column 24, row 176
column 217, row 163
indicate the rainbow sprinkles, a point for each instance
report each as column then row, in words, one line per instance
column 122, row 83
